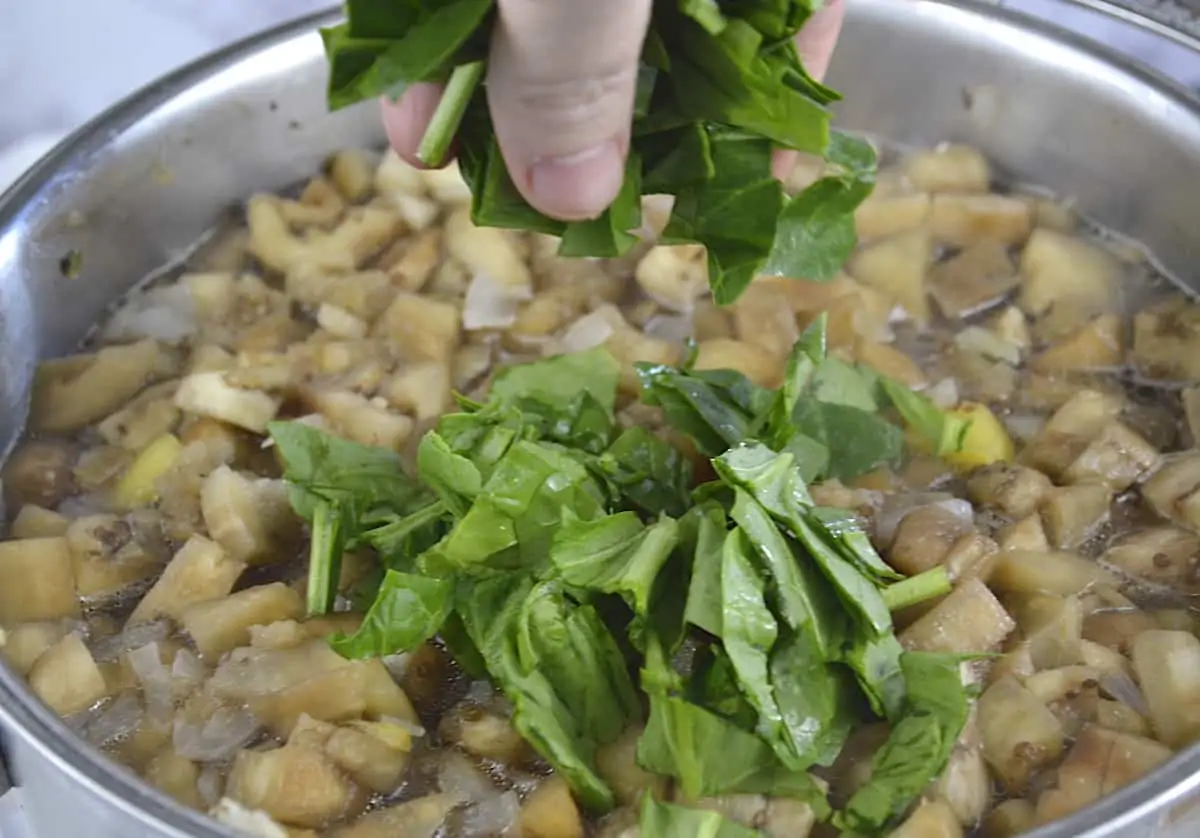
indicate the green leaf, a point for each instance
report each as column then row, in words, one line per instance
column 945, row 432
column 816, row 698
column 815, row 233
column 557, row 382
column 453, row 477
column 716, row 408
column 919, row 745
column 617, row 554
column 649, row 473
column 408, row 610
column 704, row 598
column 836, row 382
column 857, row 441
column 610, row 235
column 876, row 663
column 666, row 820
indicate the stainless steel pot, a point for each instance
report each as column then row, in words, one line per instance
column 135, row 188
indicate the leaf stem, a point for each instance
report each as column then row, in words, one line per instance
column 927, row 585
column 324, row 558
column 444, row 125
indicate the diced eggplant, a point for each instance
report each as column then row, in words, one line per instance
column 617, row 764
column 974, row 279
column 1013, row 489
column 250, row 518
column 66, row 677
column 1057, row 268
column 1165, row 556
column 40, row 471
column 34, row 521
column 878, row 217
column 1119, row 716
column 965, row 784
column 757, row 364
column 210, row 394
column 897, row 266
column 37, row 581
column 484, row 733
column 972, row 557
column 1096, row 345
column 969, row 620
column 1028, row 534
column 22, row 645
column 968, row 220
column 200, row 571
column 551, row 812
column 1073, row 514
column 374, row 754
column 1053, row 627
column 1117, row 457
column 110, row 554
column 932, row 819
column 1069, row 431
column 1066, row 574
column 175, row 775
column 1116, row 629
column 1175, row 481
column 1009, row 819
column 221, row 625
column 1166, row 340
column 949, row 168
column 294, row 785
column 924, row 539
column 1167, row 664
column 1100, row 762
column 420, row 818
column 1020, row 734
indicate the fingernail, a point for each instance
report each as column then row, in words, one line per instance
column 578, row 186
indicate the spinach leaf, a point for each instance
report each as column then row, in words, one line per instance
column 615, row 554
column 816, row 698
column 815, row 233
column 408, row 610
column 649, row 473
column 453, row 477
column 401, row 539
column 836, row 382
column 704, row 603
column 492, row 612
column 716, row 410
column 666, row 820
column 919, row 745
column 944, row 431
column 556, row 382
column 875, row 661
column 858, row 441
column 611, row 234
column 844, row 531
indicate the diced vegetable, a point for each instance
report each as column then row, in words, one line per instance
column 138, row 486
column 37, row 581
column 1058, row 269
column 898, row 267
column 200, row 571
column 295, row 785
column 949, row 168
column 1020, row 735
column 965, row 220
column 208, row 394
column 1047, row 573
column 985, row 442
column 250, row 519
column 969, row 620
column 66, row 677
column 550, row 812
column 1073, row 514
column 221, row 625
column 1167, row 664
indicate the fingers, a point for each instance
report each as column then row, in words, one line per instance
column 561, row 82
column 815, row 43
column 406, row 120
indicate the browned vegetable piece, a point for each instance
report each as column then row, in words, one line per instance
column 295, row 785
column 1166, row 340
column 1167, row 664
column 488, row 735
column 1057, row 268
column 109, row 553
column 1098, row 344
column 1028, row 534
column 200, row 571
column 966, row 220
column 617, row 764
column 40, row 472
column 1118, row 716
column 1069, row 431
column 1020, row 735
column 1162, row 555
column 66, row 677
column 763, row 316
column 887, row 215
column 1073, row 514
column 37, row 581
column 1009, row 819
column 1066, row 574
column 1171, row 491
column 1014, row 490
column 948, row 168
column 1117, row 457
column 374, row 754
column 1116, row 629
column 889, row 361
column 1053, row 628
column 757, row 364
column 420, row 818
column 969, row 619
column 924, row 538
column 425, row 329
column 1100, row 762
column 972, row 557
column 176, row 776
column 73, row 392
column 550, row 812
column 932, row 819
column 897, row 266
column 978, row 276
column 249, row 517
column 221, row 625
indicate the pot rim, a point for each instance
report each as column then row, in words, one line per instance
column 23, row 716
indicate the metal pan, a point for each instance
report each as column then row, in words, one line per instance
column 132, row 190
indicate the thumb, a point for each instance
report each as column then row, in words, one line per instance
column 561, row 81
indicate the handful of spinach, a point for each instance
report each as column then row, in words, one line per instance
column 720, row 87
column 574, row 564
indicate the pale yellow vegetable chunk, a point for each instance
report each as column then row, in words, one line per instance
column 200, row 571
column 37, row 581
column 66, row 677
column 1167, row 664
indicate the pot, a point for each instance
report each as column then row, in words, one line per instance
column 135, row 189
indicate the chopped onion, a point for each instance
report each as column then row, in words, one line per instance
column 216, row 738
column 490, row 305
column 673, row 328
column 491, row 817
column 118, row 718
column 111, row 648
column 247, row 821
column 397, row 665
column 1121, row 687
column 896, row 508
column 588, row 332
column 459, row 776
column 209, row 784
column 188, row 671
column 157, row 688
column 166, row 313
column 944, row 394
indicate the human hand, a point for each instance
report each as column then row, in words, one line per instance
column 560, row 87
